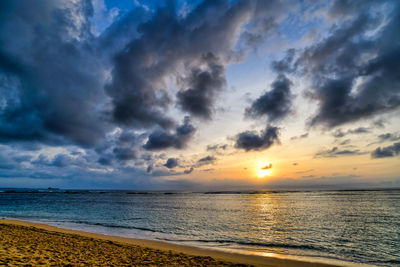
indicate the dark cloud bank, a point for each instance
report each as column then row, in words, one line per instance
column 61, row 85
column 353, row 72
column 161, row 139
column 274, row 104
column 251, row 140
column 50, row 78
column 355, row 75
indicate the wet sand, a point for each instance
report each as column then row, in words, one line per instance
column 25, row 243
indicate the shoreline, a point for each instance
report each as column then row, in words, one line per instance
column 231, row 256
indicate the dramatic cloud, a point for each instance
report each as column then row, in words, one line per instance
column 124, row 153
column 50, row 78
column 337, row 152
column 51, row 102
column 105, row 160
column 171, row 163
column 251, row 140
column 62, row 160
column 193, row 49
column 355, row 73
column 386, row 152
column 274, row 104
column 161, row 139
column 203, row 85
column 113, row 82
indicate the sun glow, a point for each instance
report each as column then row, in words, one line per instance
column 263, row 169
column 262, row 173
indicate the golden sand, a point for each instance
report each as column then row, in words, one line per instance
column 22, row 245
column 31, row 244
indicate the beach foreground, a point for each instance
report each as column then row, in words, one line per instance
column 38, row 244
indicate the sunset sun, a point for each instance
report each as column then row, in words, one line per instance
column 263, row 173
column 264, row 170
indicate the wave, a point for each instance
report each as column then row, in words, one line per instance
column 110, row 225
column 220, row 241
column 255, row 244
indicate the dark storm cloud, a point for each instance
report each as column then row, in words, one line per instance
column 171, row 163
column 56, row 103
column 126, row 138
column 203, row 86
column 118, row 148
column 338, row 152
column 62, row 85
column 50, row 78
column 124, row 153
column 386, row 152
column 274, row 104
column 163, row 139
column 355, row 69
column 62, row 160
column 169, row 45
column 106, row 160
column 250, row 140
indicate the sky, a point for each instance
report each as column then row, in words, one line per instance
column 200, row 95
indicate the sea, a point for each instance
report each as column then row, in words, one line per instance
column 361, row 226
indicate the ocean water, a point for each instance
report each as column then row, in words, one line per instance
column 354, row 226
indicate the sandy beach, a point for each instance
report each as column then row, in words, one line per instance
column 25, row 243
